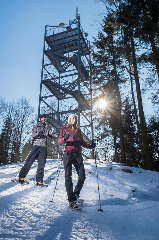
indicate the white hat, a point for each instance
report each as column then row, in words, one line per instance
column 71, row 115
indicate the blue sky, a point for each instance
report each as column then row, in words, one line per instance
column 22, row 24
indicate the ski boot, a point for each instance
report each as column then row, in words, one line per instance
column 41, row 184
column 73, row 205
column 23, row 181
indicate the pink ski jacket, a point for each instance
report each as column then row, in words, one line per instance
column 75, row 140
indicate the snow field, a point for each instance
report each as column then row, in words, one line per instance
column 130, row 203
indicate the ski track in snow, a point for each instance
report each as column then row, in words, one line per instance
column 130, row 204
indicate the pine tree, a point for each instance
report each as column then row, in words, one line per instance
column 153, row 134
column 136, row 22
column 5, row 141
column 126, row 19
column 108, row 60
column 130, row 135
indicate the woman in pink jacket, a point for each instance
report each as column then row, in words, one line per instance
column 72, row 137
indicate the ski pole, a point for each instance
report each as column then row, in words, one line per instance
column 100, row 209
column 13, row 180
column 58, row 173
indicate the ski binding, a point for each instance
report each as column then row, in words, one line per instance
column 17, row 180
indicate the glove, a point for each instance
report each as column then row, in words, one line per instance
column 93, row 145
column 40, row 133
column 66, row 137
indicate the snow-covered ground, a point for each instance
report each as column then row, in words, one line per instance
column 130, row 204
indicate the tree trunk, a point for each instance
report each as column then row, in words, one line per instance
column 137, row 122
column 115, row 147
column 155, row 52
column 122, row 146
column 148, row 159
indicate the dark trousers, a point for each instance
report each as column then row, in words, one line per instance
column 76, row 160
column 41, row 154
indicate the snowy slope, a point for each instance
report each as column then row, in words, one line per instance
column 130, row 203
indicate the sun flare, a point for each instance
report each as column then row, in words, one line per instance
column 102, row 103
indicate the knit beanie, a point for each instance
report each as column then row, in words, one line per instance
column 71, row 115
column 42, row 115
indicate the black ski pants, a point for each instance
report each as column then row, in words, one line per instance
column 41, row 154
column 76, row 160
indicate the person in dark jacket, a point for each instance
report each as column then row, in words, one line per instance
column 39, row 151
column 71, row 136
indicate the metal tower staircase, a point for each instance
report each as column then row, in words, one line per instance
column 65, row 77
